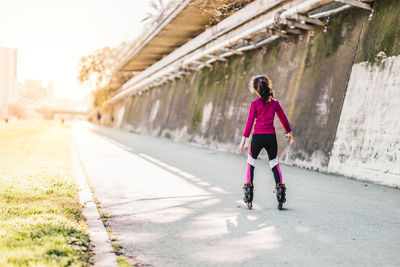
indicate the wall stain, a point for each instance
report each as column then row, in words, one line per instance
column 302, row 71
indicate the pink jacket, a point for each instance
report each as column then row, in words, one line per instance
column 264, row 113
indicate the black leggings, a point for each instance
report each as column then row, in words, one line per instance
column 258, row 142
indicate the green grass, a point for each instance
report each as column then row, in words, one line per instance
column 41, row 223
column 121, row 259
column 123, row 262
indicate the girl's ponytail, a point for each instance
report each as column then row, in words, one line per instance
column 263, row 86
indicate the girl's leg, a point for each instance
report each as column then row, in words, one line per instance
column 272, row 150
column 254, row 150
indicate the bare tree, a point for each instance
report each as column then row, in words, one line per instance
column 219, row 12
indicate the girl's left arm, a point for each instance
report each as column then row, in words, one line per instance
column 242, row 143
column 250, row 120
column 249, row 126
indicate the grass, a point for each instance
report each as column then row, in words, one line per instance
column 122, row 262
column 41, row 223
column 121, row 259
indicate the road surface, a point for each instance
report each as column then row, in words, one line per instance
column 179, row 205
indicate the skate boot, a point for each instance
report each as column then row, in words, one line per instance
column 281, row 195
column 248, row 195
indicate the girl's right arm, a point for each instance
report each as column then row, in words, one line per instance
column 283, row 118
column 285, row 123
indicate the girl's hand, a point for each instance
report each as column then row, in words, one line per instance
column 241, row 147
column 290, row 137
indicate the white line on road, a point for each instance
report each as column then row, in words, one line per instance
column 166, row 166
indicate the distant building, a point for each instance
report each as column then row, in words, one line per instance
column 36, row 91
column 8, row 76
column 50, row 90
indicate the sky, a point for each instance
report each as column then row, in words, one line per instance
column 51, row 35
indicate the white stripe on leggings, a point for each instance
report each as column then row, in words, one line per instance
column 273, row 162
column 251, row 160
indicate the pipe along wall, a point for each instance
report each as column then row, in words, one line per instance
column 339, row 88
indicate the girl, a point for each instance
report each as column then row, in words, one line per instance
column 263, row 110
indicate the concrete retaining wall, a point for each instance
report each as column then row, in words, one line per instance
column 368, row 136
column 310, row 77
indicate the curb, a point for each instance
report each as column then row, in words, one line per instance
column 103, row 253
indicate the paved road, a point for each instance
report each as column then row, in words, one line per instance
column 179, row 205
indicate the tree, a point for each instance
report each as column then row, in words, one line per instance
column 156, row 12
column 98, row 72
column 222, row 11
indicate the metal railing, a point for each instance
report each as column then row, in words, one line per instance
column 281, row 21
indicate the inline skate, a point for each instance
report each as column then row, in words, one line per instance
column 280, row 195
column 248, row 195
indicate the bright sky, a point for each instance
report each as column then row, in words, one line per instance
column 51, row 35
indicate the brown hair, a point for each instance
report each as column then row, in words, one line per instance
column 262, row 86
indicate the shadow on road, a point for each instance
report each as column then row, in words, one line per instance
column 205, row 222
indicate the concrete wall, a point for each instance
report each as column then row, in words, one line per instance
column 310, row 76
column 367, row 143
column 368, row 136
